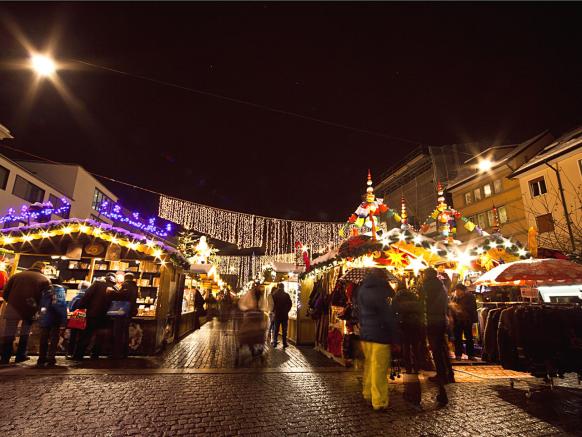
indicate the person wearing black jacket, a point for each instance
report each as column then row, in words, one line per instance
column 22, row 295
column 409, row 311
column 436, row 307
column 281, row 305
column 96, row 301
column 464, row 309
column 127, row 293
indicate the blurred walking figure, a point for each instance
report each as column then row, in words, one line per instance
column 281, row 306
column 53, row 317
column 464, row 310
column 271, row 310
column 409, row 310
column 199, row 310
column 22, row 295
column 251, row 331
column 74, row 305
column 377, row 332
column 436, row 305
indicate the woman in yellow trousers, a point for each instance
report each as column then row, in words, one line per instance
column 377, row 332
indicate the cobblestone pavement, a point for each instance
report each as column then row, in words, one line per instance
column 214, row 346
column 294, row 392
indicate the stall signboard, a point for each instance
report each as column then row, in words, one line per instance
column 529, row 292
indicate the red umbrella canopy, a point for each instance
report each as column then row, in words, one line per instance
column 535, row 272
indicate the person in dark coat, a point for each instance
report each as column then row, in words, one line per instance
column 127, row 293
column 436, row 307
column 74, row 305
column 96, row 301
column 22, row 295
column 464, row 311
column 377, row 333
column 199, row 310
column 409, row 310
column 281, row 306
column 53, row 317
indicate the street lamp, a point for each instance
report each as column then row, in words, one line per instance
column 485, row 165
column 43, row 65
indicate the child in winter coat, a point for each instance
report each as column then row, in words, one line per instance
column 53, row 316
column 73, row 305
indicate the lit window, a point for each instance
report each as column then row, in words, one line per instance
column 502, row 213
column 537, row 187
column 545, row 223
column 468, row 198
column 491, row 218
column 27, row 190
column 487, row 190
column 481, row 219
column 497, row 186
column 99, row 198
column 477, row 193
column 4, row 173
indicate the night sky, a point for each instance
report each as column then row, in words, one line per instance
column 432, row 74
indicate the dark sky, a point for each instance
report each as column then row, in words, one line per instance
column 432, row 73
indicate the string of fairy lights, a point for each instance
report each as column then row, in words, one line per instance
column 249, row 267
column 277, row 236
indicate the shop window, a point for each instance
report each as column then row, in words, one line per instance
column 99, row 198
column 491, row 218
column 497, row 186
column 487, row 190
column 57, row 203
column 537, row 187
column 468, row 198
column 477, row 194
column 502, row 213
column 545, row 223
column 482, row 220
column 27, row 190
column 4, row 173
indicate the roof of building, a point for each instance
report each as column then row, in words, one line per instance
column 563, row 145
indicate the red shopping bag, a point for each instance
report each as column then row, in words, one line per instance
column 78, row 320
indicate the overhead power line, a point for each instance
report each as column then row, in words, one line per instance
column 248, row 103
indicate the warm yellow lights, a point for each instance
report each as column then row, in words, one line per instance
column 46, row 234
column 67, row 230
column 27, row 238
column 157, row 253
column 43, row 65
column 464, row 259
column 8, row 240
column 132, row 246
column 83, row 229
column 114, row 240
column 150, row 243
column 97, row 231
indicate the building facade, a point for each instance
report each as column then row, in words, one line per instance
column 551, row 189
column 23, row 182
column 417, row 176
column 487, row 195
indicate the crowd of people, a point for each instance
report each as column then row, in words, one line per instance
column 107, row 305
column 406, row 320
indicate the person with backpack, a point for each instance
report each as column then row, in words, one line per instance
column 53, row 317
column 377, row 333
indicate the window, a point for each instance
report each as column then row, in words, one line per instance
column 481, row 220
column 487, row 190
column 27, row 190
column 477, row 193
column 491, row 218
column 57, row 203
column 537, row 187
column 497, row 186
column 4, row 173
column 98, row 198
column 545, row 223
column 502, row 214
column 468, row 198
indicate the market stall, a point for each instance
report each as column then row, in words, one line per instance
column 85, row 250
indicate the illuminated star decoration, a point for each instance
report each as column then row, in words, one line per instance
column 417, row 264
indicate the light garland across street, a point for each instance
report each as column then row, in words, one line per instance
column 249, row 267
column 277, row 236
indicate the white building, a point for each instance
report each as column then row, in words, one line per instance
column 26, row 182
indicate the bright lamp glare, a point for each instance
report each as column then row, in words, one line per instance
column 485, row 165
column 43, row 65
